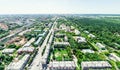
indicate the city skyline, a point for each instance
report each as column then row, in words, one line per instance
column 59, row 7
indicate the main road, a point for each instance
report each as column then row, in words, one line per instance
column 36, row 64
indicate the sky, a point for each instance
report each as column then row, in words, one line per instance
column 59, row 6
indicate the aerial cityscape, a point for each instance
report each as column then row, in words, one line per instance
column 60, row 35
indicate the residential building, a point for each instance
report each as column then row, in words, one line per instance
column 25, row 49
column 20, row 64
column 77, row 32
column 91, row 35
column 59, row 35
column 114, row 57
column 43, row 34
column 87, row 51
column 61, row 44
column 66, row 39
column 29, row 42
column 95, row 65
column 80, row 39
column 38, row 41
column 86, row 32
column 100, row 46
column 62, row 65
column 8, row 51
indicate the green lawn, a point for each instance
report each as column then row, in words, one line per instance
column 59, row 39
column 61, row 54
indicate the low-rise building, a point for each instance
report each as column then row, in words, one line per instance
column 86, row 32
column 47, row 51
column 98, row 65
column 66, row 39
column 62, row 65
column 91, row 36
column 77, row 32
column 38, row 41
column 87, row 51
column 25, row 49
column 20, row 64
column 100, row 46
column 59, row 35
column 61, row 44
column 63, row 27
column 114, row 57
column 8, row 51
column 29, row 42
column 43, row 34
column 80, row 39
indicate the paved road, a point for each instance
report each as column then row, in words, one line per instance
column 36, row 64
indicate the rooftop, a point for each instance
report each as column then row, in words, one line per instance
column 8, row 50
column 20, row 64
column 95, row 64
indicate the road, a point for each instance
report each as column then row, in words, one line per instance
column 36, row 64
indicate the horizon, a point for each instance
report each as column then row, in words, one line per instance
column 59, row 7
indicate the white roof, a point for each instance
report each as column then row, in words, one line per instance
column 114, row 57
column 77, row 32
column 18, row 65
column 61, row 43
column 8, row 50
column 62, row 64
column 47, row 50
column 91, row 35
column 80, row 39
column 39, row 39
column 26, row 49
column 100, row 45
column 29, row 42
column 86, row 32
column 87, row 51
column 95, row 64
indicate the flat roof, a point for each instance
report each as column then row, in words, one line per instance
column 18, row 65
column 95, row 64
column 62, row 64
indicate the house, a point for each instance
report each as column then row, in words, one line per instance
column 62, row 65
column 8, row 51
column 20, row 64
column 95, row 65
column 114, row 57
column 87, row 51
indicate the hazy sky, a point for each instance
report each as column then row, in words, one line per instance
column 59, row 6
